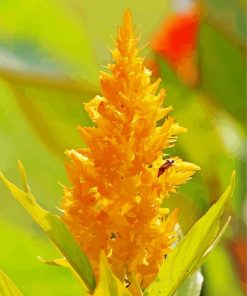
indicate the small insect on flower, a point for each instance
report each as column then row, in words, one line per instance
column 165, row 167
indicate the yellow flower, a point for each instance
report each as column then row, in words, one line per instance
column 121, row 179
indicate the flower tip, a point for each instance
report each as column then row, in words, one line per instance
column 127, row 25
column 127, row 17
column 193, row 167
column 197, row 168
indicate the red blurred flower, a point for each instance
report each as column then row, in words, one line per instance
column 176, row 43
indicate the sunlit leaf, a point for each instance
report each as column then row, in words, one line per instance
column 57, row 232
column 109, row 284
column 7, row 287
column 23, row 174
column 191, row 252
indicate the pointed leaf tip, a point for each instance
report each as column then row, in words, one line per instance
column 192, row 250
column 57, row 232
column 233, row 177
column 232, row 183
column 109, row 284
column 23, row 174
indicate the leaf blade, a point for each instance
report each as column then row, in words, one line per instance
column 109, row 284
column 182, row 262
column 57, row 232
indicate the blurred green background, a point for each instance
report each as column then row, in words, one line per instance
column 50, row 56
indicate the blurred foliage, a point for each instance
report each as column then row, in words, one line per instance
column 50, row 55
column 221, row 278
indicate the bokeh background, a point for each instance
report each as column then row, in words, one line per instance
column 50, row 56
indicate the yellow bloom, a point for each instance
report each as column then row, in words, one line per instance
column 121, row 179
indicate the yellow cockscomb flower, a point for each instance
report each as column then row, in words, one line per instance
column 121, row 179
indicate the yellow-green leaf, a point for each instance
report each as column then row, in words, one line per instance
column 190, row 253
column 57, row 232
column 109, row 284
column 7, row 287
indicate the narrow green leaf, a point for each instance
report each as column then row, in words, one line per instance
column 189, row 253
column 217, row 239
column 23, row 174
column 109, row 284
column 57, row 232
column 7, row 287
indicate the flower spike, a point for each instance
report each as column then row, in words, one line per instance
column 121, row 179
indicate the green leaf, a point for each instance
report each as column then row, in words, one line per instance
column 222, row 68
column 192, row 286
column 7, row 287
column 191, row 252
column 109, row 284
column 229, row 16
column 57, row 232
column 23, row 174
